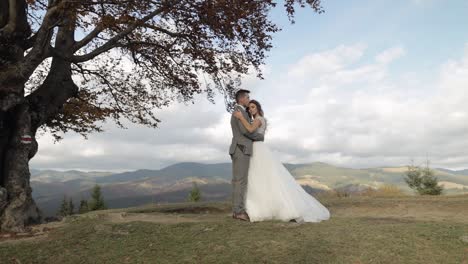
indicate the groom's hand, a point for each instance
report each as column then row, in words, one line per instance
column 256, row 136
column 237, row 114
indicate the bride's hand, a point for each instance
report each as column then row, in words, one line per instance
column 237, row 114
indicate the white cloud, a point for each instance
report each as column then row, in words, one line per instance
column 333, row 106
column 356, row 116
column 390, row 55
column 326, row 62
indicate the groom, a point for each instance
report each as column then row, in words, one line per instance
column 240, row 151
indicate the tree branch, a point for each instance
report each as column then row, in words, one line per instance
column 22, row 70
column 88, row 38
column 10, row 27
column 113, row 42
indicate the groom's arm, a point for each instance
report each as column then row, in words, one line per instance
column 251, row 135
column 254, row 136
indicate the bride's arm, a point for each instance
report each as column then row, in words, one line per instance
column 250, row 127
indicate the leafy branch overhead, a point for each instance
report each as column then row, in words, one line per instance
column 93, row 60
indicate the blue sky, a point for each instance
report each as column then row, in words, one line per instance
column 430, row 30
column 365, row 84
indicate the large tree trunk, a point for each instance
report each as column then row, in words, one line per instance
column 17, row 136
column 20, row 123
column 18, row 146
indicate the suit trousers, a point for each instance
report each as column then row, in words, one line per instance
column 240, row 171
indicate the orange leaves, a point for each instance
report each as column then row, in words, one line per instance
column 80, row 115
column 126, row 18
column 133, row 57
column 108, row 21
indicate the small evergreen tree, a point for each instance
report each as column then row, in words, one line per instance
column 430, row 183
column 97, row 200
column 423, row 180
column 195, row 194
column 413, row 177
column 71, row 207
column 83, row 206
column 64, row 207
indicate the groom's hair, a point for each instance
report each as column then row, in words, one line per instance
column 241, row 93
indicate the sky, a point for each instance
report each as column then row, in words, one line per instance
column 365, row 84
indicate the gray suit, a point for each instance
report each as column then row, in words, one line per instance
column 240, row 151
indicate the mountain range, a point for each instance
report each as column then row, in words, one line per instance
column 173, row 183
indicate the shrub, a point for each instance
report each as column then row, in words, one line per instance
column 423, row 180
column 97, row 200
column 195, row 194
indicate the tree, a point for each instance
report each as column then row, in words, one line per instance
column 97, row 200
column 413, row 177
column 64, row 207
column 70, row 65
column 195, row 194
column 423, row 180
column 429, row 183
column 83, row 206
column 71, row 207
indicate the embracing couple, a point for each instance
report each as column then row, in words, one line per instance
column 263, row 189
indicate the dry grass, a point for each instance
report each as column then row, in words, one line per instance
column 386, row 190
column 363, row 229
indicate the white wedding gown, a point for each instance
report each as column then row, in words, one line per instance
column 273, row 193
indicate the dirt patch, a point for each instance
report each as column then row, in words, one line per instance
column 387, row 220
column 35, row 233
column 11, row 239
column 154, row 218
column 193, row 210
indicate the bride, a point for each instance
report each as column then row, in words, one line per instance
column 272, row 192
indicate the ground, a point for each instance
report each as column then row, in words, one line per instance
column 403, row 229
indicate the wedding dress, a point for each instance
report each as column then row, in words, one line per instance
column 273, row 193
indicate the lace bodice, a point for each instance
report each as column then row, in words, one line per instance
column 262, row 128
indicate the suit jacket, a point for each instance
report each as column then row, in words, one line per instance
column 241, row 136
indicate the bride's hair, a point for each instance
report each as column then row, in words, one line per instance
column 259, row 111
column 259, row 108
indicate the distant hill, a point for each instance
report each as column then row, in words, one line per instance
column 457, row 172
column 172, row 184
column 174, row 172
column 62, row 176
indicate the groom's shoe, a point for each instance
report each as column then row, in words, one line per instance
column 241, row 216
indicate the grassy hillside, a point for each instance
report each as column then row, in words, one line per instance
column 172, row 184
column 361, row 230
